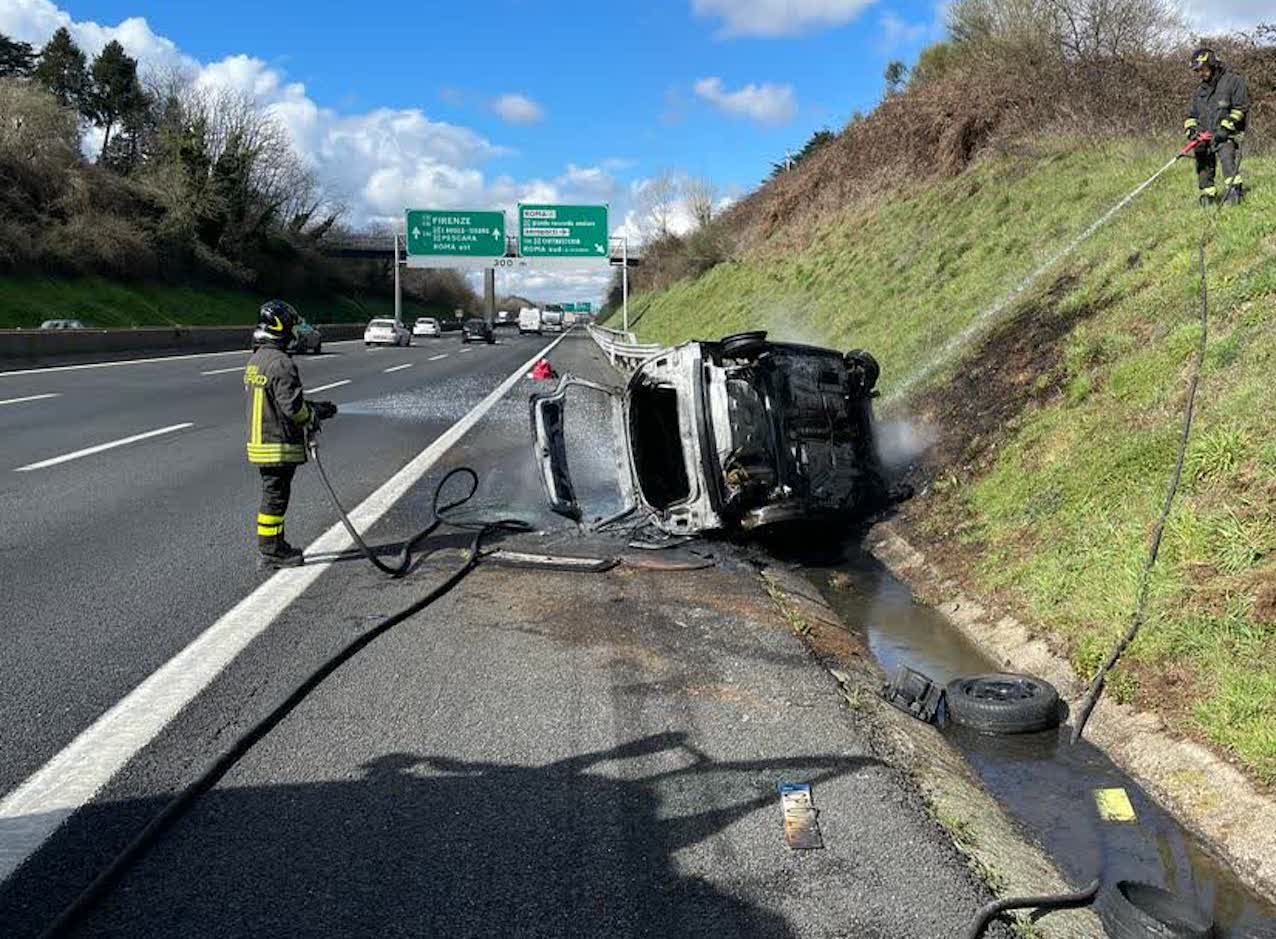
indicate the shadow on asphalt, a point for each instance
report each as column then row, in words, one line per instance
column 429, row 845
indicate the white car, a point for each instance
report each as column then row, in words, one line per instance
column 529, row 320
column 386, row 333
column 426, row 326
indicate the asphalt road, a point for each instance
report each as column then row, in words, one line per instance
column 537, row 754
column 114, row 561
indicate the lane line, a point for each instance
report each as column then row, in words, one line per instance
column 152, row 360
column 435, row 358
column 463, row 351
column 38, row 807
column 335, row 384
column 223, row 371
column 396, row 368
column 30, row 398
column 89, row 451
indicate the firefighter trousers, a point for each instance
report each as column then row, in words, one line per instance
column 276, row 489
column 1227, row 153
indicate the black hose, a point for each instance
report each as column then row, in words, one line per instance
column 1062, row 901
column 1145, row 578
column 169, row 815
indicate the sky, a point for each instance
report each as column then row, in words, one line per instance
column 422, row 104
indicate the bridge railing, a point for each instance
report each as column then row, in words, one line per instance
column 623, row 349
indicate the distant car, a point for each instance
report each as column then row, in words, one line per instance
column 529, row 321
column 427, row 326
column 477, row 330
column 64, row 324
column 306, row 338
column 736, row 434
column 386, row 333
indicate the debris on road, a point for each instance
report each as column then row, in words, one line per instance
column 551, row 562
column 1114, row 805
column 801, row 830
column 542, row 371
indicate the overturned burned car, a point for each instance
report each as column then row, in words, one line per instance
column 736, row 434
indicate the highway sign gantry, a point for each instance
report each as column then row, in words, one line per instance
column 439, row 238
column 563, row 235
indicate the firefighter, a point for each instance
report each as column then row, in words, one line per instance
column 278, row 417
column 1220, row 106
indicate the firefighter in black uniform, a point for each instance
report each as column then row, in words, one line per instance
column 278, row 417
column 1221, row 107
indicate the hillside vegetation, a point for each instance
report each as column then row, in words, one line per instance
column 1050, row 431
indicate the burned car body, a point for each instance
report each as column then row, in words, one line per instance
column 739, row 433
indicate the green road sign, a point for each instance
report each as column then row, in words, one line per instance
column 454, row 238
column 569, row 232
column 584, row 307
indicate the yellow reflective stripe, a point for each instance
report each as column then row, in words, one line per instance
column 269, row 530
column 1236, row 114
column 276, row 453
column 1209, row 191
column 1191, row 122
column 1232, row 180
column 263, row 519
column 259, row 406
column 1226, row 124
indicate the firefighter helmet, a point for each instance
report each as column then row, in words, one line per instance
column 275, row 322
column 1204, row 57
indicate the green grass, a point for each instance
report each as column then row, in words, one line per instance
column 1059, row 522
column 25, row 302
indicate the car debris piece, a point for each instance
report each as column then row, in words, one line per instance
column 916, row 695
column 801, row 830
column 552, row 562
column 1114, row 805
column 739, row 434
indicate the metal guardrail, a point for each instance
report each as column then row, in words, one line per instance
column 623, row 349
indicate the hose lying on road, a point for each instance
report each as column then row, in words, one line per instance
column 1062, row 901
column 169, row 815
column 1145, row 578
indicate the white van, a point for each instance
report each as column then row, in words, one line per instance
column 529, row 321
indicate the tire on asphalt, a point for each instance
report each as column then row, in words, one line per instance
column 1003, row 703
column 743, row 345
column 1141, row 911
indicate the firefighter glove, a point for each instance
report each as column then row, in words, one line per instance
column 1222, row 135
column 324, row 409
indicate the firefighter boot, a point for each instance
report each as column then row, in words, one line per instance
column 1235, row 195
column 275, row 553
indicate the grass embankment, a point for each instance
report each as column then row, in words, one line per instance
column 28, row 302
column 1057, row 431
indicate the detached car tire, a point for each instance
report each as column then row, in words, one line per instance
column 867, row 365
column 1003, row 703
column 1139, row 911
column 743, row 345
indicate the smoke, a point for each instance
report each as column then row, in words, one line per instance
column 789, row 321
column 902, row 443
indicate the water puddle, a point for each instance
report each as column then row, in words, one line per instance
column 1045, row 783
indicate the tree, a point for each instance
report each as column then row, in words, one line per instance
column 62, row 70
column 814, row 142
column 656, row 203
column 895, row 74
column 115, row 93
column 701, row 196
column 17, row 59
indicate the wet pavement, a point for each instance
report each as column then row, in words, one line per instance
column 1045, row 783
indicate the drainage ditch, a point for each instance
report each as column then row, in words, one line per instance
column 1046, row 784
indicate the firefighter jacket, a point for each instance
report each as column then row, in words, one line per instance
column 1223, row 101
column 278, row 414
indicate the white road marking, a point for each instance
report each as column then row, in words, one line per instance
column 335, row 384
column 464, row 350
column 223, row 371
column 89, row 451
column 38, row 807
column 30, row 398
column 150, row 361
column 395, row 368
column 435, row 358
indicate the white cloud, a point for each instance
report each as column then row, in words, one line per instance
column 772, row 18
column 897, row 33
column 765, row 104
column 1210, row 17
column 518, row 109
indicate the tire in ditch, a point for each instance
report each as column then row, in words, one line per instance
column 743, row 345
column 1141, row 911
column 1003, row 703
